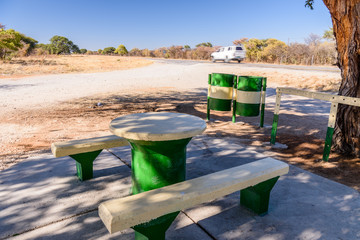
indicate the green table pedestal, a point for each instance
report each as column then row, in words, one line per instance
column 158, row 145
column 156, row 164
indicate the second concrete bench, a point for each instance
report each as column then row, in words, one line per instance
column 85, row 151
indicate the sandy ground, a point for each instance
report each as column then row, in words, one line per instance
column 55, row 64
column 36, row 111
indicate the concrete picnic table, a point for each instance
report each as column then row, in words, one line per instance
column 158, row 146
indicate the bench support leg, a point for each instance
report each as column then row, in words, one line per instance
column 84, row 164
column 154, row 230
column 257, row 197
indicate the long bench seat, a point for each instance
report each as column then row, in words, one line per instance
column 255, row 180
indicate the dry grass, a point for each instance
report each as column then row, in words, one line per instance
column 38, row 65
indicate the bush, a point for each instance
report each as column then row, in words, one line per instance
column 121, row 50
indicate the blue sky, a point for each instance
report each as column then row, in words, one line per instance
column 96, row 24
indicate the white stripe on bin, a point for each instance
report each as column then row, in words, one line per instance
column 248, row 97
column 225, row 93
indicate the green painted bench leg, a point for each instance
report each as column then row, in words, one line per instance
column 154, row 231
column 257, row 197
column 159, row 236
column 84, row 164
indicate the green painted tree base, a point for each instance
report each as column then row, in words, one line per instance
column 84, row 164
column 257, row 197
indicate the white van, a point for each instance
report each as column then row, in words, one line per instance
column 229, row 53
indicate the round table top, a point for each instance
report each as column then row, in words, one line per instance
column 157, row 126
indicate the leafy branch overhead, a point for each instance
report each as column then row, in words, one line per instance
column 309, row 4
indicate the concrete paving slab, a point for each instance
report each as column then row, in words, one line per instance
column 41, row 198
column 45, row 189
column 90, row 227
column 302, row 206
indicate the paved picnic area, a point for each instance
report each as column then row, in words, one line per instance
column 42, row 198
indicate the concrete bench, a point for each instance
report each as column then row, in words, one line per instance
column 255, row 180
column 85, row 151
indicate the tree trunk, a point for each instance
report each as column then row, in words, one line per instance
column 345, row 16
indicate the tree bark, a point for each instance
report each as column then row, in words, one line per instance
column 345, row 16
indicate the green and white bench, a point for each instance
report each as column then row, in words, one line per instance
column 255, row 180
column 85, row 151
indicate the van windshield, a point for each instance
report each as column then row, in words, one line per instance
column 239, row 48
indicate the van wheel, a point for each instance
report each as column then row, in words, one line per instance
column 212, row 59
column 239, row 61
column 226, row 59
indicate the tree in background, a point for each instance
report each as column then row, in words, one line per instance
column 29, row 45
column 345, row 16
column 160, row 52
column 202, row 52
column 254, row 48
column 187, row 52
column 13, row 42
column 62, row 45
column 175, row 52
column 83, row 51
column 121, row 50
column 274, row 50
column 329, row 35
column 89, row 52
column 207, row 44
column 10, row 41
column 240, row 41
column 313, row 40
column 146, row 53
column 108, row 51
column 135, row 52
column 298, row 53
column 326, row 53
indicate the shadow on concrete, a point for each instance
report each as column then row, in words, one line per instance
column 45, row 189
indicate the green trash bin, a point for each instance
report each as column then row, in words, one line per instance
column 220, row 92
column 250, row 97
